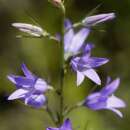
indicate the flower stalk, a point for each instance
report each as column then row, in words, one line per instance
column 62, row 64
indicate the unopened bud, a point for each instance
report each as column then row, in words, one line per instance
column 56, row 2
column 29, row 28
column 96, row 19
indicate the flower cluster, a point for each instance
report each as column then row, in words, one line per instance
column 31, row 89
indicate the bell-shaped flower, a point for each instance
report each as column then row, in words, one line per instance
column 66, row 126
column 29, row 28
column 73, row 42
column 96, row 19
column 30, row 88
column 84, row 65
column 105, row 99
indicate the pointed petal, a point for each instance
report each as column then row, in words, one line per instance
column 87, row 48
column 80, row 78
column 11, row 77
column 96, row 62
column 20, row 93
column 111, row 88
column 36, row 101
column 91, row 74
column 116, row 111
column 78, row 40
column 115, row 102
column 67, row 125
column 24, row 82
column 68, row 35
column 68, row 39
column 26, row 71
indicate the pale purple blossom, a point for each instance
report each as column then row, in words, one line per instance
column 84, row 65
column 73, row 41
column 105, row 99
column 96, row 19
column 66, row 126
column 30, row 88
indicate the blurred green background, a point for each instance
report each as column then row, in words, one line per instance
column 42, row 57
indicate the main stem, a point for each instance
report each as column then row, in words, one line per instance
column 62, row 65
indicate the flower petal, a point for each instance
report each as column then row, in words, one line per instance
column 115, row 102
column 24, row 82
column 67, row 125
column 36, row 101
column 68, row 35
column 87, row 48
column 116, row 111
column 91, row 74
column 111, row 88
column 80, row 78
column 78, row 40
column 11, row 77
column 20, row 93
column 40, row 85
column 93, row 96
column 96, row 62
column 97, row 103
column 27, row 72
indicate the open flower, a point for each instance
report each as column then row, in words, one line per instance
column 29, row 28
column 96, row 19
column 66, row 126
column 73, row 42
column 105, row 99
column 84, row 65
column 30, row 88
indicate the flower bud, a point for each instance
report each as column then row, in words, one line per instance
column 29, row 28
column 96, row 19
column 56, row 2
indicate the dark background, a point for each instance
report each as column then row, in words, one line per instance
column 42, row 57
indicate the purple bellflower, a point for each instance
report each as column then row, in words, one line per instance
column 30, row 88
column 84, row 65
column 96, row 19
column 105, row 99
column 73, row 42
column 66, row 126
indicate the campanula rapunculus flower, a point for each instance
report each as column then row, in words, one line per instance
column 66, row 126
column 96, row 19
column 29, row 28
column 73, row 42
column 30, row 88
column 105, row 99
column 84, row 65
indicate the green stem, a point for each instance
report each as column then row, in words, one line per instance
column 62, row 65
